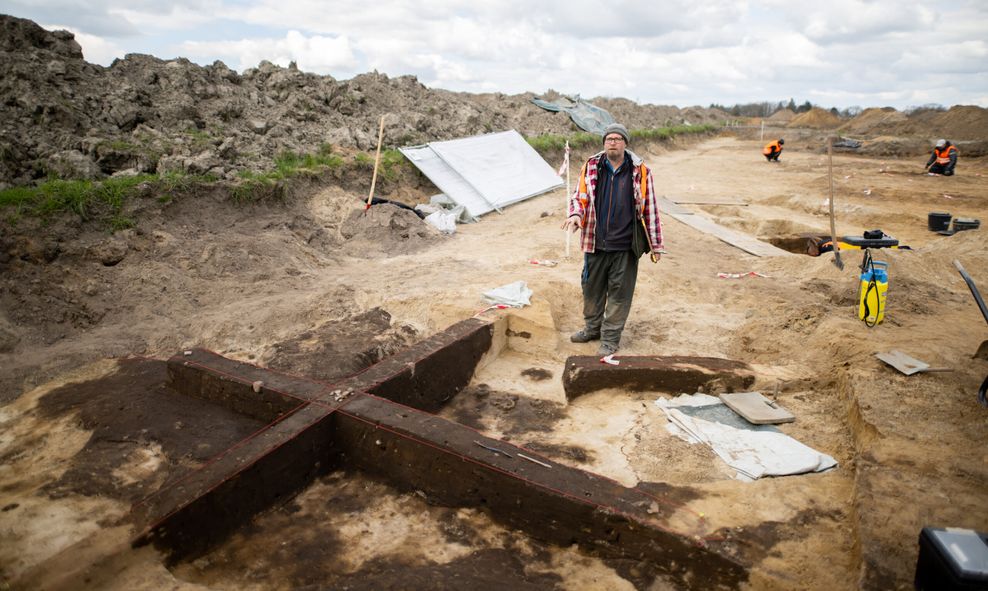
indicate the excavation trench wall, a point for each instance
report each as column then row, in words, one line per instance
column 368, row 423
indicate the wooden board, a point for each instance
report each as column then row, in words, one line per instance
column 745, row 242
column 756, row 408
column 667, row 206
column 709, row 201
column 906, row 364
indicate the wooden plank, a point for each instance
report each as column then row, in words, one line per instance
column 745, row 242
column 667, row 206
column 709, row 201
column 756, row 408
column 907, row 364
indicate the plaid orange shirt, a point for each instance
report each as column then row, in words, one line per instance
column 582, row 201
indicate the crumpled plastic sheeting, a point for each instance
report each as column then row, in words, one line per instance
column 515, row 294
column 443, row 221
column 752, row 454
column 586, row 116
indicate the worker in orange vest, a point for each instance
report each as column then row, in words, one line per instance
column 772, row 150
column 943, row 158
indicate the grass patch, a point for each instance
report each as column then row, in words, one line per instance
column 255, row 186
column 105, row 200
column 551, row 142
column 89, row 199
column 288, row 164
column 581, row 139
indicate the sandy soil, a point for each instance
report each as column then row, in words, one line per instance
column 284, row 285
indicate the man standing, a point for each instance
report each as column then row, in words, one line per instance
column 943, row 158
column 615, row 195
column 773, row 150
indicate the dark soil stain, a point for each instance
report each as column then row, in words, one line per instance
column 340, row 348
column 484, row 569
column 134, row 408
column 467, row 407
column 455, row 530
column 478, row 405
column 278, row 546
column 533, row 414
column 561, row 452
column 677, row 495
column 756, row 542
column 640, row 573
column 537, row 374
column 295, row 546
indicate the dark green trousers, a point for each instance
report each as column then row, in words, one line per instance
column 608, row 286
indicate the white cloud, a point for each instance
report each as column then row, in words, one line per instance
column 95, row 49
column 317, row 54
column 723, row 51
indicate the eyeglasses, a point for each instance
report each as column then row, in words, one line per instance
column 613, row 140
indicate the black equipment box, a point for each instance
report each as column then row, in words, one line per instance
column 863, row 242
column 952, row 559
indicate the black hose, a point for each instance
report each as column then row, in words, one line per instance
column 867, row 263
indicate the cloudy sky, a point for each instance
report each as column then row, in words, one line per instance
column 833, row 53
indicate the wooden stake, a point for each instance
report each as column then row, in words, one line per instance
column 833, row 224
column 566, row 207
column 377, row 161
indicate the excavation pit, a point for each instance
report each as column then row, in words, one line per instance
column 806, row 243
column 379, row 424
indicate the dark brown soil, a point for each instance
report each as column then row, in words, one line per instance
column 135, row 409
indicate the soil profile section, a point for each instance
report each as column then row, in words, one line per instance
column 243, row 388
column 456, row 466
column 339, row 426
column 187, row 518
column 672, row 374
column 427, row 375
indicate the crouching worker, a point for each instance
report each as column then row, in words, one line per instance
column 943, row 159
column 614, row 200
column 773, row 150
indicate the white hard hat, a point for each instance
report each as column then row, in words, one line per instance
column 941, row 143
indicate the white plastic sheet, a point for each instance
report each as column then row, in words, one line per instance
column 752, row 454
column 443, row 221
column 485, row 172
column 515, row 294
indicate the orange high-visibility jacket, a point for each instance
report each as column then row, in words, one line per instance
column 771, row 147
column 943, row 154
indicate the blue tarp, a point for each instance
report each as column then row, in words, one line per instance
column 586, row 116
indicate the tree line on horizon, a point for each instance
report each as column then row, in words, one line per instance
column 769, row 108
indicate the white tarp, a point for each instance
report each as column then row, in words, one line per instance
column 485, row 172
column 516, row 295
column 752, row 454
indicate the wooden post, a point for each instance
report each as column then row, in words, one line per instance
column 566, row 207
column 833, row 224
column 377, row 162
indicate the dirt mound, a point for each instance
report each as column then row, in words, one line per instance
column 960, row 123
column 963, row 122
column 385, row 229
column 885, row 145
column 816, row 119
column 872, row 121
column 64, row 116
column 782, row 116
